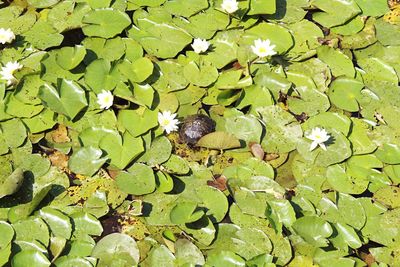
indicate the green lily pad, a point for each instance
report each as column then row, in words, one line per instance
column 70, row 57
column 159, row 151
column 225, row 258
column 105, row 23
column 330, row 17
column 116, row 248
column 136, row 123
column 187, row 253
column 58, row 222
column 339, row 63
column 121, row 150
column 28, row 257
column 86, row 161
column 282, row 130
column 219, row 140
column 68, row 98
column 137, row 71
column 345, row 93
column 389, row 153
column 11, row 183
column 100, row 75
column 138, row 180
column 185, row 212
column 202, row 74
column 314, row 230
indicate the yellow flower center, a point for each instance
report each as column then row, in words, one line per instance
column 165, row 122
column 262, row 50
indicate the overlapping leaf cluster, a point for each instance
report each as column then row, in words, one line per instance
column 72, row 173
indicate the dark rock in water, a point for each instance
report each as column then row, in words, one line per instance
column 194, row 127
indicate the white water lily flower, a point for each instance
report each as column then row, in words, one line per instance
column 200, row 46
column 263, row 48
column 7, row 72
column 318, row 136
column 6, row 36
column 167, row 121
column 105, row 99
column 230, row 6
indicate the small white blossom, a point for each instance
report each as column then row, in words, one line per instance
column 105, row 99
column 263, row 48
column 200, row 46
column 230, row 6
column 318, row 136
column 6, row 36
column 7, row 72
column 167, row 121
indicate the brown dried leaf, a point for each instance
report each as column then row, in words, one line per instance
column 218, row 182
column 257, row 150
column 60, row 135
column 59, row 160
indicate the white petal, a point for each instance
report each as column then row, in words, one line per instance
column 313, row 145
column 322, row 145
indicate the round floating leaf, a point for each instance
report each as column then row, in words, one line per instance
column 101, row 75
column 389, row 153
column 345, row 93
column 118, row 249
column 389, row 195
column 262, row 7
column 11, row 183
column 138, row 180
column 177, row 165
column 185, row 212
column 137, row 71
column 185, row 8
column 137, row 124
column 121, row 150
column 162, row 40
column 330, row 17
column 339, row 63
column 86, row 224
column 32, row 229
column 105, row 23
column 58, row 222
column 282, row 130
column 30, row 257
column 187, row 253
column 314, row 230
column 67, row 261
column 219, row 140
column 7, row 234
column 42, row 3
column 159, row 151
column 346, row 181
column 68, row 98
column 225, row 258
column 86, row 161
column 202, row 74
column 215, row 201
column 164, row 181
column 70, row 57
